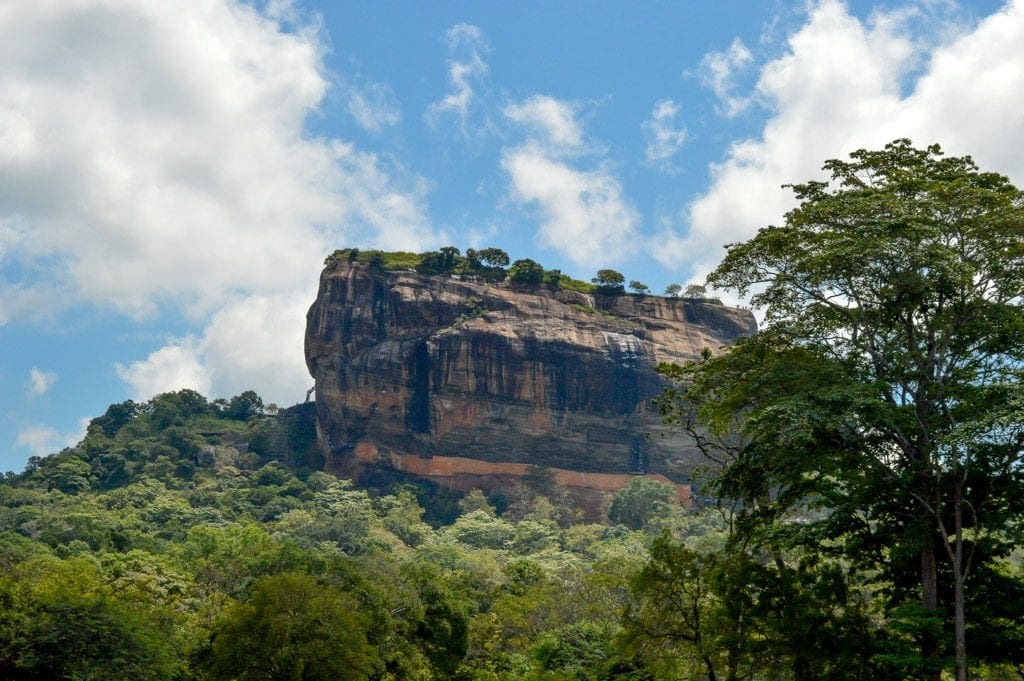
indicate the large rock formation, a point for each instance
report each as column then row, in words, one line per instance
column 437, row 366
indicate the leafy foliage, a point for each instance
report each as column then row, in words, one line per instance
column 526, row 271
column 60, row 620
column 879, row 414
column 695, row 291
column 164, row 546
column 609, row 282
column 293, row 627
column 719, row 615
column 566, row 282
column 640, row 501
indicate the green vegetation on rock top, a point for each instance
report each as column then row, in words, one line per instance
column 488, row 264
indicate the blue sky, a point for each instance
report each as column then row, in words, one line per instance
column 173, row 174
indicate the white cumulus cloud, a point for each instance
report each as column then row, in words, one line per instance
column 585, row 214
column 172, row 367
column 466, row 66
column 40, row 439
column 40, row 382
column 664, row 136
column 840, row 86
column 373, row 107
column 718, row 71
column 552, row 122
column 155, row 157
column 248, row 343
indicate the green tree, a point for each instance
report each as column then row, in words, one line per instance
column 680, row 623
column 526, row 271
column 480, row 530
column 442, row 261
column 639, row 287
column 488, row 263
column 471, row 262
column 165, row 411
column 609, row 281
column 476, row 500
column 695, row 291
column 442, row 632
column 493, row 257
column 244, row 406
column 116, row 416
column 59, row 621
column 580, row 650
column 293, row 628
column 673, row 290
column 403, row 517
column 733, row 615
column 192, row 403
column 640, row 500
column 68, row 473
column 886, row 386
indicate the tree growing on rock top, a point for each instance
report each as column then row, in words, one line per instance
column 695, row 291
column 441, row 261
column 526, row 271
column 639, row 287
column 493, row 257
column 609, row 282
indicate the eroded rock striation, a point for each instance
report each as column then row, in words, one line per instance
column 438, row 366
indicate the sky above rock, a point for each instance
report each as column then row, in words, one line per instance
column 172, row 175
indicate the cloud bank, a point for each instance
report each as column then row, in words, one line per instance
column 842, row 84
column 585, row 215
column 155, row 157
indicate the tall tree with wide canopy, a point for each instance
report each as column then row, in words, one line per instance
column 886, row 386
column 293, row 627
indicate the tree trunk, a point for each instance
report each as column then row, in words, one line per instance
column 930, row 601
column 960, row 624
column 710, row 666
column 958, row 589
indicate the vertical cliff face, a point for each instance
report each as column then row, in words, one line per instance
column 436, row 366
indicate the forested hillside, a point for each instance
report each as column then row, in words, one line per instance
column 166, row 546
